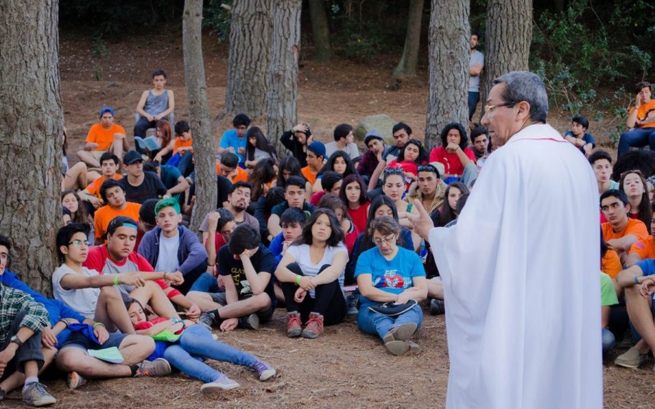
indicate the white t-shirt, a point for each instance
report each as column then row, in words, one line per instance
column 82, row 300
column 167, row 260
column 351, row 150
column 309, row 269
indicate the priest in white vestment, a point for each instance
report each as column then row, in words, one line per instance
column 520, row 267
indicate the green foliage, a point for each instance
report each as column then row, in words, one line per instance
column 217, row 19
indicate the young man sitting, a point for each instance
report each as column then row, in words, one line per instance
column 140, row 186
column 578, row 135
column 315, row 158
column 170, row 176
column 294, row 196
column 331, row 183
column 429, row 189
column 640, row 122
column 370, row 159
column 228, row 167
column 234, row 140
column 118, row 257
column 601, row 163
column 343, row 141
column 103, row 137
column 238, row 200
column 109, row 165
column 155, row 104
column 246, row 267
column 112, row 193
column 292, row 222
column 173, row 248
column 620, row 232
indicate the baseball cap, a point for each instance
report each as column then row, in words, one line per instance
column 372, row 134
column 317, row 147
column 106, row 109
column 120, row 221
column 131, row 157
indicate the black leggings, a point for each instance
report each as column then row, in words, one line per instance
column 328, row 301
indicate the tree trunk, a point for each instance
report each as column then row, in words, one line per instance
column 320, row 31
column 250, row 34
column 31, row 121
column 196, row 88
column 508, row 38
column 407, row 66
column 449, row 66
column 283, row 69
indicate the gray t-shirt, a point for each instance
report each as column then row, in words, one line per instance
column 351, row 150
column 477, row 58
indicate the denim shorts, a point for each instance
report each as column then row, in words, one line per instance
column 79, row 340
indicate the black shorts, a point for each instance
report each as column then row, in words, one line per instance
column 80, row 340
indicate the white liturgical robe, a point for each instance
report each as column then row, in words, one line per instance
column 520, row 275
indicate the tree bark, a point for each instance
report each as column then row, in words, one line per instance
column 449, row 66
column 508, row 38
column 250, row 34
column 407, row 66
column 31, row 121
column 320, row 31
column 283, row 69
column 196, row 88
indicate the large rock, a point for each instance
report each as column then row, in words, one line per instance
column 381, row 123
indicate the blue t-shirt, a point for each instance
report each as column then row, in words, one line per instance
column 586, row 137
column 276, row 247
column 231, row 139
column 393, row 276
column 169, row 176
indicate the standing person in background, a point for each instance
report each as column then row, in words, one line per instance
column 476, row 63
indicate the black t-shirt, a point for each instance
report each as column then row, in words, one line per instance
column 262, row 261
column 151, row 188
column 279, row 208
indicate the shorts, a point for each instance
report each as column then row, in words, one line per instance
column 81, row 341
column 264, row 315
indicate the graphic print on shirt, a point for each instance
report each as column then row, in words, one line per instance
column 392, row 279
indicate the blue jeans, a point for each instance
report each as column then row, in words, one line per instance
column 608, row 340
column 474, row 98
column 636, row 137
column 195, row 343
column 376, row 323
column 206, row 283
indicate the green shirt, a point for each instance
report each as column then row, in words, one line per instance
column 12, row 302
column 607, row 292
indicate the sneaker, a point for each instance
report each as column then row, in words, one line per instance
column 631, row 359
column 314, row 326
column 35, row 394
column 222, row 383
column 264, row 370
column 437, row 307
column 158, row 367
column 249, row 322
column 399, row 348
column 294, row 325
column 207, row 319
column 351, row 303
column 400, row 333
column 75, row 380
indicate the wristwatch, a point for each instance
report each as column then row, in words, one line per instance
column 16, row 340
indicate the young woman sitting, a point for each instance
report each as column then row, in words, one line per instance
column 258, row 147
column 389, row 273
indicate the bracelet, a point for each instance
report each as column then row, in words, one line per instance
column 211, row 265
column 65, row 321
column 176, row 320
column 636, row 279
column 298, row 277
column 116, row 279
column 98, row 324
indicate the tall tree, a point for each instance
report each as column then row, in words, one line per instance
column 407, row 66
column 449, row 66
column 508, row 38
column 320, row 31
column 196, row 88
column 283, row 69
column 31, row 121
column 250, row 34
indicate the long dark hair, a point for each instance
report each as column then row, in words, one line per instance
column 447, row 214
column 350, row 167
column 644, row 211
column 261, row 143
column 363, row 197
column 336, row 235
column 80, row 216
column 423, row 155
column 463, row 138
column 291, row 164
column 262, row 173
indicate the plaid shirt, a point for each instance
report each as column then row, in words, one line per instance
column 12, row 302
column 367, row 163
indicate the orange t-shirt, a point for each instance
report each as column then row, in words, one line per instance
column 635, row 227
column 645, row 248
column 106, row 214
column 307, row 173
column 611, row 263
column 103, row 137
column 179, row 143
column 645, row 111
column 241, row 176
column 94, row 187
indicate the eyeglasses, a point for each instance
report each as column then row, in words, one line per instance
column 489, row 110
column 387, row 240
column 78, row 243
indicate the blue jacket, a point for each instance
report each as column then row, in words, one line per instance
column 191, row 254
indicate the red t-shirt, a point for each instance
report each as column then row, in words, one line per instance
column 359, row 216
column 452, row 164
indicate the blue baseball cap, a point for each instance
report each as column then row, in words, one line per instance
column 317, row 147
column 106, row 109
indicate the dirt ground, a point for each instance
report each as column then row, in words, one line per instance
column 342, row 368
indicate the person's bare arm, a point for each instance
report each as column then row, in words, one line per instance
column 141, row 104
column 274, row 225
column 181, row 186
column 75, row 281
column 624, row 243
column 475, row 70
column 626, row 278
column 257, row 281
column 373, row 181
column 632, row 259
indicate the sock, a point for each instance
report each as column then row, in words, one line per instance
column 217, row 317
column 30, row 380
column 134, row 369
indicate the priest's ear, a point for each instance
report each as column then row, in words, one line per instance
column 523, row 111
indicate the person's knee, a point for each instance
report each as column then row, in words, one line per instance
column 108, row 293
column 295, row 268
column 260, row 301
column 142, row 346
column 71, row 359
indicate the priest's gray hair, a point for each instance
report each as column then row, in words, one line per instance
column 526, row 86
